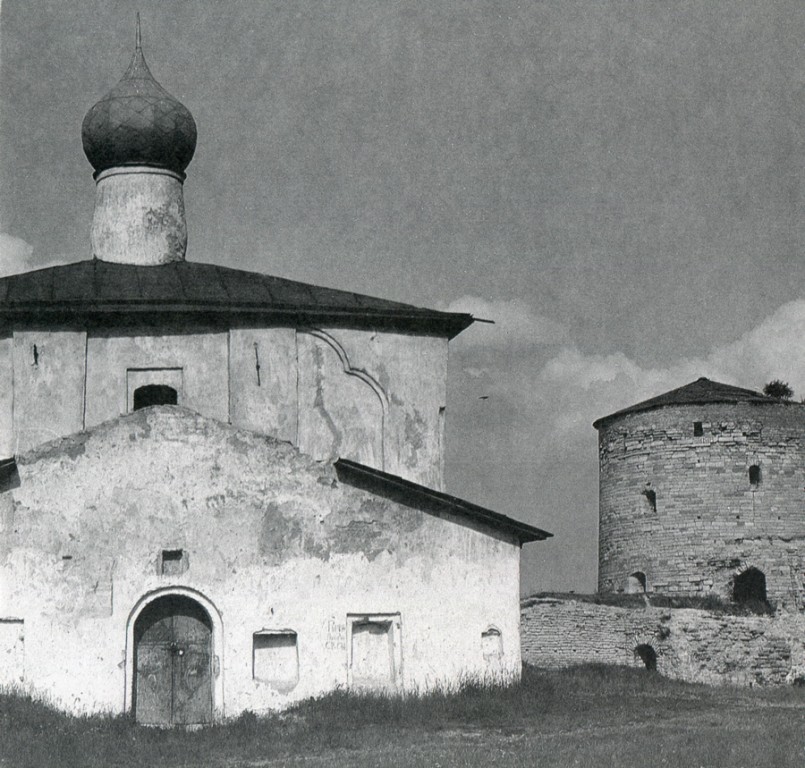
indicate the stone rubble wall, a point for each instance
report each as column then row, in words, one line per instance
column 692, row 645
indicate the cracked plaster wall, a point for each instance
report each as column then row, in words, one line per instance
column 48, row 385
column 273, row 539
column 373, row 397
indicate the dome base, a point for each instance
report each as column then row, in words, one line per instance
column 139, row 216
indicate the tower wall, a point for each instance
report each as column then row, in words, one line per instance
column 139, row 216
column 707, row 521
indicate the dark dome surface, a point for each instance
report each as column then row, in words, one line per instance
column 139, row 123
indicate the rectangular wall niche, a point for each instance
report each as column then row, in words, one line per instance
column 275, row 658
column 12, row 652
column 173, row 562
column 375, row 654
column 492, row 644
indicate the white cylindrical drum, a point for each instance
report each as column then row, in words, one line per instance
column 139, row 216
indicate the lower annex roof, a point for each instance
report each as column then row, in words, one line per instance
column 95, row 288
column 405, row 491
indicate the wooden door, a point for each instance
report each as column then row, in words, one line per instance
column 173, row 662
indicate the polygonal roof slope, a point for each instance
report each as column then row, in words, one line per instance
column 105, row 289
column 699, row 392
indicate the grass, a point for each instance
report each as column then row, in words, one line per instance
column 586, row 716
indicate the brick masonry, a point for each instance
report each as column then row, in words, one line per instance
column 707, row 522
column 692, row 645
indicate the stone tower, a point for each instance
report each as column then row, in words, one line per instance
column 701, row 492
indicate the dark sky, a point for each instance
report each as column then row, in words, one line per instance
column 618, row 184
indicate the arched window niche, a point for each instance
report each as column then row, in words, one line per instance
column 647, row 655
column 749, row 586
column 492, row 643
column 154, row 394
column 636, row 583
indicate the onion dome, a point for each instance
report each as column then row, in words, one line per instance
column 139, row 123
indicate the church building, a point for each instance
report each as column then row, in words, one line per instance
column 220, row 490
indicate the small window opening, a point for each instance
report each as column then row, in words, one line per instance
column 275, row 658
column 492, row 644
column 754, row 475
column 636, row 583
column 651, row 499
column 698, row 430
column 173, row 561
column 648, row 656
column 749, row 586
column 154, row 394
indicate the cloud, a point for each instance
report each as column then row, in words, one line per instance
column 516, row 324
column 15, row 254
column 586, row 387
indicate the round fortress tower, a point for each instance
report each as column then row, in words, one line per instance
column 702, row 491
column 139, row 140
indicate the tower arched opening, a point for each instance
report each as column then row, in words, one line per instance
column 636, row 583
column 749, row 586
column 647, row 655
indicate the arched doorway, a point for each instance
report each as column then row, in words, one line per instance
column 173, row 663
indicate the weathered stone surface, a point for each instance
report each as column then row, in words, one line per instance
column 139, row 216
column 692, row 645
column 272, row 541
column 710, row 522
column 48, row 381
column 263, row 380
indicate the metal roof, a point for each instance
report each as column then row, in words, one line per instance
column 139, row 123
column 699, row 392
column 103, row 290
column 406, row 492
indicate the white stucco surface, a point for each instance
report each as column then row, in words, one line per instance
column 374, row 397
column 273, row 541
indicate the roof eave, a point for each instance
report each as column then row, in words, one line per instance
column 444, row 324
column 406, row 491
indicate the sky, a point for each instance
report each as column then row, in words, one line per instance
column 617, row 184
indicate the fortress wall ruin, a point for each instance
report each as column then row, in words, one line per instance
column 687, row 644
